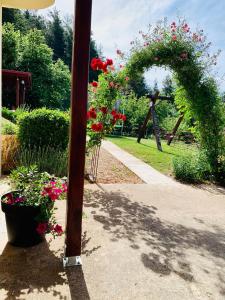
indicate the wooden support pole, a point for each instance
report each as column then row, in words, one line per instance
column 155, row 125
column 17, row 92
column 80, row 64
column 144, row 126
column 175, row 129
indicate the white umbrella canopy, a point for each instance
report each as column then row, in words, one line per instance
column 27, row 4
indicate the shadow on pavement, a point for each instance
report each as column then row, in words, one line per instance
column 37, row 271
column 165, row 243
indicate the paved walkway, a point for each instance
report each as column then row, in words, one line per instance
column 140, row 241
column 137, row 166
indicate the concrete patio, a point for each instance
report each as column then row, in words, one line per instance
column 139, row 242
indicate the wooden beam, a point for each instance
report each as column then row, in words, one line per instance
column 80, row 64
column 144, row 126
column 175, row 129
column 155, row 125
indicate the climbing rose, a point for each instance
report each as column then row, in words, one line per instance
column 42, row 228
column 111, row 84
column 104, row 110
column 94, row 84
column 97, row 127
column 91, row 114
column 109, row 62
column 96, row 64
column 174, row 37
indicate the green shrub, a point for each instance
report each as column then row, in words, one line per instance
column 51, row 160
column 186, row 169
column 44, row 128
column 9, row 128
column 8, row 114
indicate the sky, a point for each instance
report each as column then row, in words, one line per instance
column 115, row 23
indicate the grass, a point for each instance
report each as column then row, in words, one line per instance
column 147, row 151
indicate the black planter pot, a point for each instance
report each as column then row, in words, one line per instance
column 21, row 225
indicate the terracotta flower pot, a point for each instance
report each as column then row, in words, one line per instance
column 21, row 225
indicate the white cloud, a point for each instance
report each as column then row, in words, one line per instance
column 116, row 22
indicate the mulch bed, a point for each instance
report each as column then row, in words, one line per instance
column 110, row 170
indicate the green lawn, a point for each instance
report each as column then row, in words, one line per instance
column 147, row 151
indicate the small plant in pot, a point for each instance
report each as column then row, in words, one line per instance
column 29, row 208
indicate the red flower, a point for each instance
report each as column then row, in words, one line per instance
column 109, row 62
column 58, row 229
column 94, row 84
column 104, row 67
column 123, row 117
column 96, row 64
column 104, row 110
column 42, row 228
column 127, row 78
column 91, row 114
column 64, row 187
column 97, row 127
column 113, row 112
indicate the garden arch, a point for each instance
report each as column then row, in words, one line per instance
column 176, row 47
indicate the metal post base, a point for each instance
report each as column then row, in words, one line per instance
column 72, row 261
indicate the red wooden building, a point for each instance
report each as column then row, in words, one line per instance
column 15, row 86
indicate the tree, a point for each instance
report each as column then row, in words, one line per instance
column 10, row 46
column 59, row 92
column 36, row 57
column 56, row 36
column 138, row 86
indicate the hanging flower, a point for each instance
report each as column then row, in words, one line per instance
column 42, row 228
column 58, row 229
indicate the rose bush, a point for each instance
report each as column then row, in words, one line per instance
column 103, row 115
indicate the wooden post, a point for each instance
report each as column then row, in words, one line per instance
column 144, row 126
column 175, row 129
column 17, row 92
column 80, row 64
column 155, row 125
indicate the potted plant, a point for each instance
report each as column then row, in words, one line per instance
column 29, row 207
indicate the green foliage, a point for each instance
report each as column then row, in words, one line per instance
column 185, row 169
column 44, row 127
column 46, row 159
column 135, row 110
column 184, row 52
column 8, row 114
column 10, row 46
column 59, row 91
column 55, row 35
column 9, row 128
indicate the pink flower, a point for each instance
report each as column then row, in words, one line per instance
column 42, row 228
column 10, row 199
column 127, row 78
column 64, row 187
column 58, row 229
column 19, row 199
column 174, row 37
column 111, row 84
